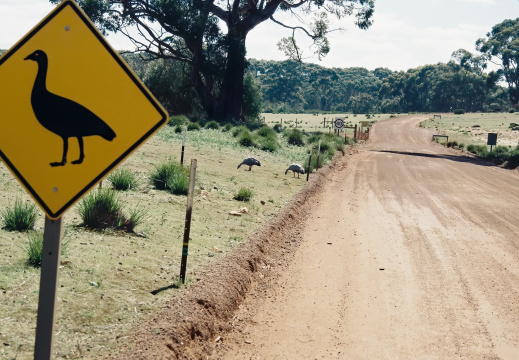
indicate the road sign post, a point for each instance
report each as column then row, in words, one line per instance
column 50, row 258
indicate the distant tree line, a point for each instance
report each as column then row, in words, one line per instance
column 288, row 86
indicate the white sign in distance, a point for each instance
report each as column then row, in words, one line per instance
column 338, row 123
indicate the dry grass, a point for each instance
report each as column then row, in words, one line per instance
column 315, row 122
column 107, row 277
column 473, row 128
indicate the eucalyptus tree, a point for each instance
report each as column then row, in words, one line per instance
column 210, row 35
column 501, row 47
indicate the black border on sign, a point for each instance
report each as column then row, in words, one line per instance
column 129, row 72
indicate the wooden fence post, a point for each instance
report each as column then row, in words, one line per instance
column 187, row 227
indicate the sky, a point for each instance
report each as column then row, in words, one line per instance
column 405, row 33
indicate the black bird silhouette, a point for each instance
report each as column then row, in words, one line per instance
column 296, row 168
column 249, row 161
column 63, row 116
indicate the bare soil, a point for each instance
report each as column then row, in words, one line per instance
column 402, row 249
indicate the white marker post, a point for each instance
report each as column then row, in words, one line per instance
column 50, row 258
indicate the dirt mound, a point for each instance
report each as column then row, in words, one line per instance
column 190, row 326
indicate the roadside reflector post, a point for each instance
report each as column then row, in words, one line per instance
column 187, row 226
column 183, row 145
column 355, row 133
column 50, row 258
column 309, row 164
column 318, row 154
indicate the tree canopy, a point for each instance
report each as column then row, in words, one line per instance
column 501, row 46
column 209, row 35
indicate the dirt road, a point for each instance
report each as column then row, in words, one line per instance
column 412, row 253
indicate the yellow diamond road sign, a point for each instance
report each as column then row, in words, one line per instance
column 71, row 109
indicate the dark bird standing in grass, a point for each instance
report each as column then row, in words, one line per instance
column 63, row 116
column 296, row 168
column 250, row 162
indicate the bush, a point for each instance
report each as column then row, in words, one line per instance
column 193, row 126
column 269, row 144
column 238, row 130
column 246, row 139
column 101, row 209
column 212, row 125
column 227, row 127
column 21, row 217
column 244, row 194
column 123, row 179
column 266, row 131
column 459, row 111
column 295, row 137
column 178, row 129
column 277, row 128
column 511, row 110
column 177, row 120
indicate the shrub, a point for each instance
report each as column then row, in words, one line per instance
column 246, row 139
column 459, row 111
column 238, row 130
column 123, row 179
column 295, row 137
column 277, row 128
column 244, row 194
column 193, row 126
column 101, row 209
column 177, row 120
column 178, row 129
column 21, row 217
column 227, row 127
column 511, row 110
column 212, row 125
column 266, row 131
column 269, row 144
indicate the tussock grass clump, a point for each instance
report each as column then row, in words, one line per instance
column 21, row 217
column 33, row 248
column 162, row 173
column 244, row 194
column 101, row 209
column 178, row 183
column 123, row 179
column 266, row 132
column 171, row 176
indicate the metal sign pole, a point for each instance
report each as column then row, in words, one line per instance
column 187, row 227
column 50, row 258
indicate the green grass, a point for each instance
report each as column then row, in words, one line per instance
column 244, row 194
column 123, row 179
column 101, row 209
column 20, row 217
